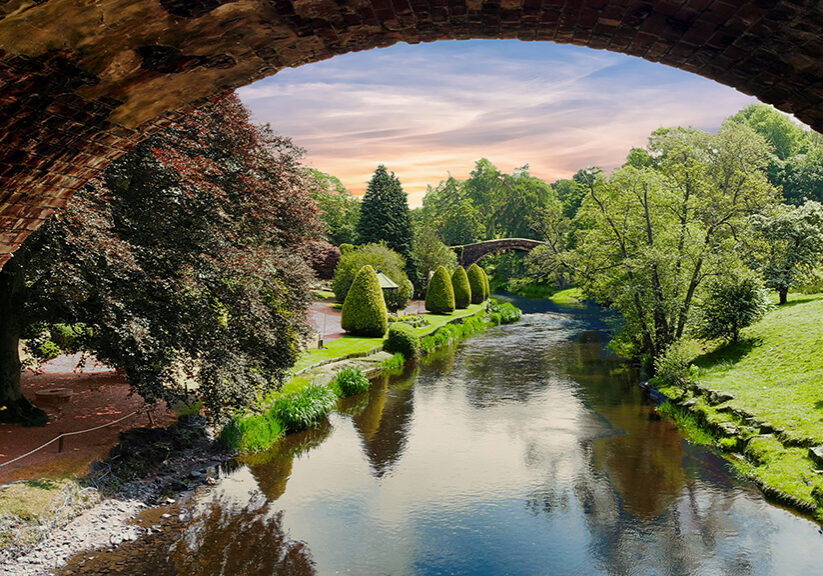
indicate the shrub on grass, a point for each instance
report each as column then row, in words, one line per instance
column 462, row 290
column 402, row 338
column 364, row 311
column 350, row 381
column 674, row 366
column 477, row 283
column 503, row 312
column 303, row 409
column 251, row 433
column 733, row 303
column 440, row 294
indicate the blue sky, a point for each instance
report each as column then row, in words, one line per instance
column 430, row 110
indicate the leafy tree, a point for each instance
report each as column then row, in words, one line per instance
column 461, row 287
column 322, row 257
column 477, row 283
column 649, row 237
column 384, row 217
column 339, row 210
column 378, row 256
column 777, row 128
column 364, row 310
column 462, row 224
column 187, row 254
column 570, row 193
column 440, row 294
column 732, row 302
column 789, row 245
column 801, row 175
column 430, row 252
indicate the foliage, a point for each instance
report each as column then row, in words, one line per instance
column 364, row 310
column 477, row 283
column 529, row 287
column 393, row 363
column 339, row 210
column 350, row 381
column 416, row 320
column 378, row 256
column 322, row 257
column 303, row 409
column 398, row 299
column 185, row 254
column 345, row 248
column 384, row 217
column 488, row 291
column 430, row 252
column 402, row 338
column 789, row 245
column 674, row 366
column 461, row 288
column 732, row 302
column 440, row 294
column 251, row 433
column 648, row 238
column 785, row 136
column 451, row 333
column 503, row 312
column 687, row 424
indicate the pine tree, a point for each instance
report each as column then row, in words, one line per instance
column 384, row 217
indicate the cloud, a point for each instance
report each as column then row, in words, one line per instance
column 433, row 109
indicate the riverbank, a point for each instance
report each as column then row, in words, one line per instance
column 761, row 401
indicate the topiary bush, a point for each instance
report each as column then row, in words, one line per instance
column 402, row 338
column 364, row 311
column 462, row 290
column 399, row 299
column 487, row 289
column 477, row 283
column 303, row 409
column 440, row 294
column 350, row 381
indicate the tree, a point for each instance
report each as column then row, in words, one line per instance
column 440, row 294
column 339, row 210
column 322, row 257
column 649, row 237
column 477, row 283
column 384, row 217
column 430, row 252
column 378, row 256
column 364, row 311
column 789, row 245
column 785, row 136
column 461, row 288
column 186, row 255
column 732, row 302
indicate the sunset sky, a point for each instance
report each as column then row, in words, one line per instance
column 430, row 110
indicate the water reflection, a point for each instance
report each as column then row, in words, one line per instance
column 527, row 450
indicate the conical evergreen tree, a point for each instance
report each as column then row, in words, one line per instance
column 440, row 294
column 364, row 310
column 477, row 283
column 384, row 217
column 462, row 289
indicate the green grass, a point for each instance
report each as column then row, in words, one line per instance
column 776, row 371
column 568, row 296
column 687, row 424
column 303, row 409
column 349, row 382
column 323, row 294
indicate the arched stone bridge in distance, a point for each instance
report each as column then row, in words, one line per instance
column 82, row 82
column 471, row 253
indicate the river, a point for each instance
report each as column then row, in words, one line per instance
column 528, row 449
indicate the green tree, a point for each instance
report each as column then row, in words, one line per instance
column 789, row 245
column 339, row 210
column 187, row 253
column 384, row 217
column 477, row 284
column 440, row 294
column 364, row 310
column 732, row 302
column 649, row 237
column 430, row 252
column 378, row 256
column 461, row 288
column 785, row 136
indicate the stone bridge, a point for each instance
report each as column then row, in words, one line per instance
column 81, row 82
column 471, row 253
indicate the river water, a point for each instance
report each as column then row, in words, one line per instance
column 527, row 449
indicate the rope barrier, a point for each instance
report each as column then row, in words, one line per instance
column 75, row 433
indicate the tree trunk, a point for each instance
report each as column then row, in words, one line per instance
column 14, row 407
column 784, row 294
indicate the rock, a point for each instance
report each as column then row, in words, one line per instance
column 816, row 454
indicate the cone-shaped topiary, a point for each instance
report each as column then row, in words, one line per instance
column 476, row 283
column 462, row 290
column 440, row 294
column 487, row 292
column 364, row 310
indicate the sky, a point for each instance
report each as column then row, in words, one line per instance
column 428, row 111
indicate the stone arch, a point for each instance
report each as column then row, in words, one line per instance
column 468, row 254
column 82, row 82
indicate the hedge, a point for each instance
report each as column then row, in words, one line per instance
column 402, row 338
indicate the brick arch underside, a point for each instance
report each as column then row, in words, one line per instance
column 80, row 83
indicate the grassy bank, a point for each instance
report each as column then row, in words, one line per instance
column 306, row 400
column 762, row 399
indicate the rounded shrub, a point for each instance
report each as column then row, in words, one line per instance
column 402, row 338
column 364, row 310
column 476, row 283
column 461, row 287
column 350, row 381
column 398, row 299
column 440, row 294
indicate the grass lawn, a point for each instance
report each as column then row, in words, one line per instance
column 351, row 345
column 568, row 296
column 776, row 371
